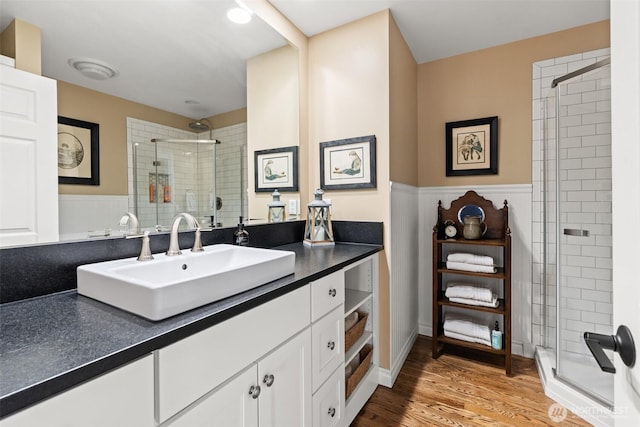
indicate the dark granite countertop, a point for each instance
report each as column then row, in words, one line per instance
column 52, row 343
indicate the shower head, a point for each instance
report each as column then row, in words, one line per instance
column 199, row 126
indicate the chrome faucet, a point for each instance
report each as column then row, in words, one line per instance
column 174, row 247
column 134, row 224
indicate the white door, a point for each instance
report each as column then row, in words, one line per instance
column 28, row 158
column 625, row 110
column 231, row 405
column 285, row 379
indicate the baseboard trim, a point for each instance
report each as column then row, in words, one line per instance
column 388, row 377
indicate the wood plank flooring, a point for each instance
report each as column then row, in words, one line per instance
column 456, row 391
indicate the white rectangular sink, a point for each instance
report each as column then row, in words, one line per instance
column 169, row 285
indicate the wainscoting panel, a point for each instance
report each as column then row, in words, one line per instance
column 404, row 275
column 89, row 216
column 519, row 201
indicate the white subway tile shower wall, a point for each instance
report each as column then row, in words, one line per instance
column 585, row 177
column 188, row 169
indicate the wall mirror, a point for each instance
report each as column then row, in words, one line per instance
column 183, row 58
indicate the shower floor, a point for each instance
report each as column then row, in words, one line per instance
column 593, row 379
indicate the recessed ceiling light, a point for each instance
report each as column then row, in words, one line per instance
column 238, row 15
column 94, row 68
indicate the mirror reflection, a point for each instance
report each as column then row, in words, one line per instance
column 178, row 63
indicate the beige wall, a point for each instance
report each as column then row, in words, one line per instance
column 111, row 114
column 272, row 113
column 490, row 82
column 403, row 120
column 229, row 118
column 349, row 97
column 22, row 42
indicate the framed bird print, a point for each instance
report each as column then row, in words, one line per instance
column 348, row 163
column 276, row 168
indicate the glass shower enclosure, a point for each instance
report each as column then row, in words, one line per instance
column 577, row 231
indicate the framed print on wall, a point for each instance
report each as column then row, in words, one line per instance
column 78, row 152
column 472, row 147
column 276, row 168
column 348, row 163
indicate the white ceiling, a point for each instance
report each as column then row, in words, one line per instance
column 170, row 51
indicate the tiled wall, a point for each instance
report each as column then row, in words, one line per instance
column 187, row 169
column 585, row 201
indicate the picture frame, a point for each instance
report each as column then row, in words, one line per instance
column 276, row 168
column 348, row 163
column 78, row 152
column 472, row 147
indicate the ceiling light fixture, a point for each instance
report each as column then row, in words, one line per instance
column 93, row 68
column 240, row 14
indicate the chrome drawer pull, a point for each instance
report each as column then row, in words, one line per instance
column 254, row 391
column 268, row 380
column 331, row 345
column 332, row 412
column 332, row 292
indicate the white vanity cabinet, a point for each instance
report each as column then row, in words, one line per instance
column 123, row 397
column 270, row 393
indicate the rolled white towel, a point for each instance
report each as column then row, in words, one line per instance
column 466, row 326
column 467, row 338
column 458, row 290
column 494, row 303
column 471, row 258
column 476, row 268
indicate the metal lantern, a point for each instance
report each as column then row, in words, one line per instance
column 318, row 231
column 276, row 208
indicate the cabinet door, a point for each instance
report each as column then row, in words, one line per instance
column 328, row 402
column 123, row 397
column 285, row 379
column 28, row 158
column 328, row 345
column 231, row 405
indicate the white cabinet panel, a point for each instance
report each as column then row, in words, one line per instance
column 328, row 402
column 328, row 345
column 327, row 293
column 231, row 405
column 123, row 397
column 28, row 158
column 285, row 379
column 196, row 365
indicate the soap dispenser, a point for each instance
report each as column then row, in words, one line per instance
column 241, row 235
column 496, row 337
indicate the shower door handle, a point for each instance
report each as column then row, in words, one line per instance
column 576, row 232
column 622, row 343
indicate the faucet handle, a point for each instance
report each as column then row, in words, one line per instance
column 197, row 242
column 145, row 252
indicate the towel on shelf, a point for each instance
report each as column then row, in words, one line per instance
column 494, row 303
column 468, row 258
column 467, row 338
column 476, row 268
column 466, row 326
column 460, row 290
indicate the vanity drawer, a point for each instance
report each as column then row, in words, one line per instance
column 326, row 294
column 328, row 401
column 195, row 365
column 327, row 346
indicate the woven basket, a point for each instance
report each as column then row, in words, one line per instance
column 358, row 373
column 353, row 334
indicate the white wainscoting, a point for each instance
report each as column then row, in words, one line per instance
column 518, row 197
column 82, row 215
column 403, row 293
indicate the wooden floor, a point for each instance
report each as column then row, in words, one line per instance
column 456, row 391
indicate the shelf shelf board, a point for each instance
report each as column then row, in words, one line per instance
column 500, row 309
column 483, row 242
column 475, row 346
column 354, row 299
column 499, row 274
column 357, row 346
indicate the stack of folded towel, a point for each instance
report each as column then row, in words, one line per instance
column 466, row 329
column 471, row 262
column 470, row 294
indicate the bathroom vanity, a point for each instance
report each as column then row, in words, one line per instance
column 271, row 356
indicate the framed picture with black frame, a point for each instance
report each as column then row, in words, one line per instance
column 348, row 163
column 276, row 168
column 472, row 147
column 78, row 152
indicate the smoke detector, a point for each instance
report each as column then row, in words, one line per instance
column 93, row 68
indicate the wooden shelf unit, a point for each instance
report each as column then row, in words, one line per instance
column 498, row 235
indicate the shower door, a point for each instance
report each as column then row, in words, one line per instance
column 578, row 168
